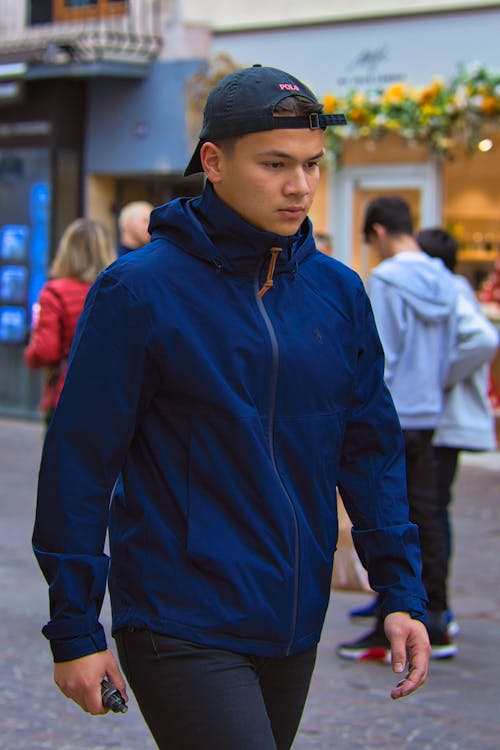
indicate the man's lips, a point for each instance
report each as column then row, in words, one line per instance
column 292, row 211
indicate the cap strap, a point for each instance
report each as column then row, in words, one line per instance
column 243, row 124
column 314, row 121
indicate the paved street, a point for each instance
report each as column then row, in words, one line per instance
column 349, row 707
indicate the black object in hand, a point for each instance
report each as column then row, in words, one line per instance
column 112, row 698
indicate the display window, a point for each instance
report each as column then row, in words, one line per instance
column 69, row 10
column 50, row 11
column 25, row 208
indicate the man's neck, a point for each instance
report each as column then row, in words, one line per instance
column 403, row 243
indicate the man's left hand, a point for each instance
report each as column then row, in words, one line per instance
column 410, row 648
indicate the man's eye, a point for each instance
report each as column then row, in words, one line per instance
column 312, row 164
column 273, row 164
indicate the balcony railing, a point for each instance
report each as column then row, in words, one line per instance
column 134, row 37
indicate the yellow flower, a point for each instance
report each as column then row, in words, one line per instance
column 432, row 91
column 330, row 103
column 395, row 94
column 490, row 105
column 358, row 100
column 358, row 116
column 429, row 110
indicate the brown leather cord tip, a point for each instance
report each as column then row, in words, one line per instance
column 268, row 283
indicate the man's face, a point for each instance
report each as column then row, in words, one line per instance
column 270, row 178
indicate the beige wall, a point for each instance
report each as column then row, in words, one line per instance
column 240, row 14
column 100, row 199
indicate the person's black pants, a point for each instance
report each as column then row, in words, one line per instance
column 447, row 465
column 197, row 698
column 426, row 512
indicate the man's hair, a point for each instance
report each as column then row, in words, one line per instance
column 439, row 243
column 295, row 106
column 391, row 212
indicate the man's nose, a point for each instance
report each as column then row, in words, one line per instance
column 297, row 183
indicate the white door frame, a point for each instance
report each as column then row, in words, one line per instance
column 424, row 177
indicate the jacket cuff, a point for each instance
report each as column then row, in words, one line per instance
column 67, row 649
column 415, row 606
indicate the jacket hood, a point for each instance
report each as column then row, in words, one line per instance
column 210, row 230
column 424, row 283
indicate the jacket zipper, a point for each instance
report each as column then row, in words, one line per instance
column 272, row 413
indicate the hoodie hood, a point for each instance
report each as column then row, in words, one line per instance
column 210, row 230
column 423, row 282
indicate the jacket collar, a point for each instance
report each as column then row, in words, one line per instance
column 239, row 245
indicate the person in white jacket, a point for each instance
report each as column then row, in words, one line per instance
column 414, row 303
column 467, row 421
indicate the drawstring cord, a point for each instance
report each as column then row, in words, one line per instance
column 268, row 283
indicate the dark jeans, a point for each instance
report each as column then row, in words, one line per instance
column 446, row 465
column 198, row 698
column 426, row 512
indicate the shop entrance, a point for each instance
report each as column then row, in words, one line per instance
column 355, row 187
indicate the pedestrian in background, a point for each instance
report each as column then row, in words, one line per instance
column 467, row 420
column 240, row 381
column 133, row 222
column 84, row 251
column 414, row 300
column 489, row 296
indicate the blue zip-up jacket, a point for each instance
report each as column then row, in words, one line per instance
column 231, row 419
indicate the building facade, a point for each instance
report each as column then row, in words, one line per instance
column 92, row 115
column 95, row 111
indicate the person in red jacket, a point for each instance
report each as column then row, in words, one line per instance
column 84, row 251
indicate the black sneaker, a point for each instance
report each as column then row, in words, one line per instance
column 372, row 646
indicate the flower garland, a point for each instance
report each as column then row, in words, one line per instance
column 440, row 115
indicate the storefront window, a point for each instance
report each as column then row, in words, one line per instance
column 24, row 256
column 68, row 10
column 49, row 11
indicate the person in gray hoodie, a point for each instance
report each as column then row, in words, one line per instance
column 467, row 421
column 414, row 302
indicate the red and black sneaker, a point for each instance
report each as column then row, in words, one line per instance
column 372, row 646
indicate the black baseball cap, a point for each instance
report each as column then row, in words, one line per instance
column 244, row 102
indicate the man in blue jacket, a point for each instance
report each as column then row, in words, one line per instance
column 231, row 374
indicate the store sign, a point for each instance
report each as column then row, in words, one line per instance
column 11, row 82
column 370, row 69
column 29, row 128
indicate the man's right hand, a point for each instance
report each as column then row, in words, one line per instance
column 80, row 679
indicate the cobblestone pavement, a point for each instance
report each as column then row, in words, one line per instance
column 349, row 707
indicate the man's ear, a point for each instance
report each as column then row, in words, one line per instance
column 211, row 157
column 379, row 230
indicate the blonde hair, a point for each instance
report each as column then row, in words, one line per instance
column 85, row 249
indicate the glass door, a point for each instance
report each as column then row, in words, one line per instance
column 355, row 187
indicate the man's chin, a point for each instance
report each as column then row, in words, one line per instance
column 287, row 228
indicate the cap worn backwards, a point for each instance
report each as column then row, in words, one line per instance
column 244, row 102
